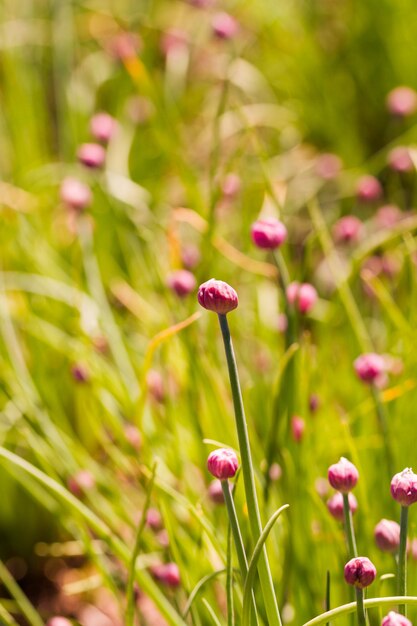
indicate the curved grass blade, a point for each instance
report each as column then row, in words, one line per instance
column 370, row 603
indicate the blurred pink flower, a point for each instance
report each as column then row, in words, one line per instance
column 402, row 101
column 328, row 166
column 335, row 505
column 297, row 428
column 399, row 160
column 348, row 229
column 224, row 25
column 75, row 194
column 369, row 367
column 181, row 282
column 92, row 155
column 368, row 189
column 103, row 127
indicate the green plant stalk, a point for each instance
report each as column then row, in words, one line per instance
column 360, row 608
column 402, row 558
column 229, row 579
column 271, row 605
column 26, row 607
column 370, row 603
column 383, row 427
column 237, row 537
column 349, row 530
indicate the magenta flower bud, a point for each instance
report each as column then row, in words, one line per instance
column 368, row 189
column 297, row 428
column 82, row 482
column 153, row 519
column 313, row 402
column 387, row 216
column 360, row 572
column 307, row 298
column 215, row 492
column 58, row 620
column 303, row 296
column 399, row 160
column 224, row 26
column 348, row 229
column 387, row 535
column 268, row 234
column 402, row 101
column 222, row 463
column 133, row 436
column 155, row 384
column 190, row 256
column 395, row 619
column 103, row 127
column 275, row 472
column 335, row 505
column 91, row 155
column 80, row 373
column 343, row 475
column 218, row 296
column 404, row 487
column 167, row 573
column 231, row 185
column 75, row 194
column 182, row 282
column 328, row 166
column 369, row 367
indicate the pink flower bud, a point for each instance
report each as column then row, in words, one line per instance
column 313, row 402
column 368, row 189
column 174, row 40
column 133, row 436
column 343, row 475
column 190, row 256
column 153, row 519
column 387, row 535
column 404, row 487
column 155, row 385
column 167, row 573
column 268, row 234
column 402, row 101
column 102, row 127
column 182, row 282
column 369, row 367
column 218, row 296
column 222, row 463
column 348, row 229
column 399, row 160
column 328, row 166
column 75, row 194
column 224, row 26
column 307, row 298
column 297, row 428
column 231, row 185
column 395, row 619
column 58, row 621
column 335, row 505
column 82, row 482
column 360, row 572
column 215, row 492
column 275, row 472
column 303, row 296
column 91, row 155
column 387, row 216
column 80, row 373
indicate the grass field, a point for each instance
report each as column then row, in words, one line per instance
column 114, row 381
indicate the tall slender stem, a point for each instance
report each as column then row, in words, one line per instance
column 360, row 608
column 402, row 558
column 237, row 537
column 271, row 605
column 350, row 533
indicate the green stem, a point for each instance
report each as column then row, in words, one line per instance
column 360, row 608
column 383, row 427
column 237, row 537
column 265, row 577
column 345, row 609
column 229, row 579
column 402, row 558
column 350, row 533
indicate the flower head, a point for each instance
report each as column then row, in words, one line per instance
column 348, row 229
column 387, row 535
column 395, row 619
column 399, row 159
column 102, row 127
column 404, row 487
column 297, row 428
column 222, row 463
column 58, row 620
column 218, row 296
column 81, row 482
column 91, row 155
column 328, row 166
column 75, row 194
column 343, row 476
column 167, row 573
column 368, row 189
column 268, row 233
column 402, row 101
column 182, row 282
column 303, row 296
column 360, row 572
column 369, row 367
column 335, row 505
column 224, row 26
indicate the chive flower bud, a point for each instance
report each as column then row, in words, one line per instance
column 92, row 155
column 218, row 296
column 167, row 573
column 75, row 194
column 303, row 296
column 224, row 26
column 387, row 535
column 368, row 189
column 268, row 233
column 360, row 572
column 222, row 463
column 343, row 476
column 402, row 101
column 395, row 619
column 102, row 127
column 181, row 282
column 369, row 367
column 348, row 229
column 335, row 506
column 404, row 487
